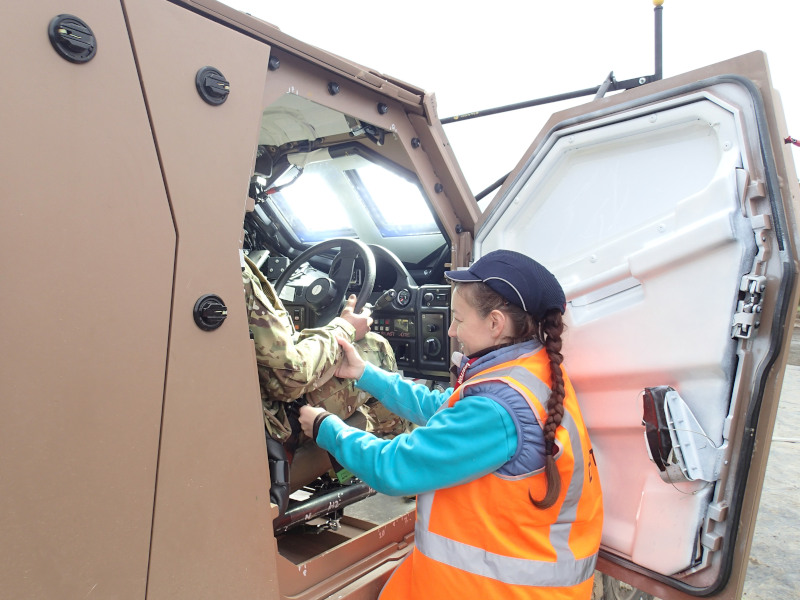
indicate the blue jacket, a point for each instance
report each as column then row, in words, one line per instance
column 487, row 431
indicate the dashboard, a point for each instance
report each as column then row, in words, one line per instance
column 416, row 324
column 415, row 321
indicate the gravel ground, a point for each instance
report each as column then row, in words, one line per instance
column 773, row 571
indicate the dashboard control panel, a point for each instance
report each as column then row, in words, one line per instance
column 416, row 324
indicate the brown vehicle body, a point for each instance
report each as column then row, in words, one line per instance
column 132, row 451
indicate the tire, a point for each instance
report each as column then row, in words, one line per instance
column 614, row 589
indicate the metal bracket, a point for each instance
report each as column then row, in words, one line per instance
column 610, row 80
column 331, row 523
column 748, row 310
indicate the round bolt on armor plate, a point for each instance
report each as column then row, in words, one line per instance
column 209, row 312
column 212, row 86
column 72, row 38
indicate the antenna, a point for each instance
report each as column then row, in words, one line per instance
column 658, row 17
column 609, row 84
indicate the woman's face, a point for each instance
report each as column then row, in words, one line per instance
column 473, row 331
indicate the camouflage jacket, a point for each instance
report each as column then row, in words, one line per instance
column 290, row 363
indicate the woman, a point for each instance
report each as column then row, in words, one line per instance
column 509, row 502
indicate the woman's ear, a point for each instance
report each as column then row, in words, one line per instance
column 497, row 323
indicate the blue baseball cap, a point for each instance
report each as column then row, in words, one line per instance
column 517, row 278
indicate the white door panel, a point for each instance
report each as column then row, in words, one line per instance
column 650, row 216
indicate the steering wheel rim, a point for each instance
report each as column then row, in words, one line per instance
column 349, row 250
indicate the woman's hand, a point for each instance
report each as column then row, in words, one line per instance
column 307, row 416
column 352, row 365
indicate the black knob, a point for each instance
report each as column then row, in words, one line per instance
column 427, row 298
column 72, row 38
column 433, row 347
column 212, row 85
column 431, row 327
column 209, row 312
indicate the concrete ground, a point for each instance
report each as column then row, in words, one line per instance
column 774, row 569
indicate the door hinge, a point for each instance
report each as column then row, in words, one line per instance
column 748, row 310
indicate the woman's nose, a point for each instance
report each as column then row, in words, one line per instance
column 452, row 330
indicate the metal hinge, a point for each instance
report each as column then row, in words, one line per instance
column 748, row 310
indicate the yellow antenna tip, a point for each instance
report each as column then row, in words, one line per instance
column 658, row 2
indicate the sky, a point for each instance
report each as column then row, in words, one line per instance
column 476, row 56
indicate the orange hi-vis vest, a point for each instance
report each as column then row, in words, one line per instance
column 484, row 540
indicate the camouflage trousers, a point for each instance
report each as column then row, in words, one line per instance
column 341, row 398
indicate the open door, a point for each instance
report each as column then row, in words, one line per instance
column 666, row 213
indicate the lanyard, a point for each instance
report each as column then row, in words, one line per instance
column 463, row 372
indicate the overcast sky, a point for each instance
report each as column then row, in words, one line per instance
column 481, row 55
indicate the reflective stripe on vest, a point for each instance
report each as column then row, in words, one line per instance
column 568, row 570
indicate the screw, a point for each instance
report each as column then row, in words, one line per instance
column 333, row 88
column 438, row 188
column 382, row 108
column 459, row 228
column 274, row 63
column 415, row 143
column 642, row 80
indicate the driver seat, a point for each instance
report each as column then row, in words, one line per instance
column 308, row 470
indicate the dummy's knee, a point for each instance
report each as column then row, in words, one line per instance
column 377, row 350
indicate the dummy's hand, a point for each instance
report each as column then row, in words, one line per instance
column 360, row 321
column 352, row 365
column 307, row 416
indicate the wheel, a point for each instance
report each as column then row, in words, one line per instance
column 614, row 589
column 326, row 295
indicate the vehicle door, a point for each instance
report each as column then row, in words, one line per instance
column 667, row 213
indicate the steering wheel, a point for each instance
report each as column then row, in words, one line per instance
column 326, row 295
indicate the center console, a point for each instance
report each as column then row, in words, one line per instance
column 416, row 324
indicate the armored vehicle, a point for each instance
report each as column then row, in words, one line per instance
column 149, row 144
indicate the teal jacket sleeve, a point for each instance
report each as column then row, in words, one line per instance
column 459, row 444
column 409, row 400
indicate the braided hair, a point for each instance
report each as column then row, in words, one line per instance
column 550, row 329
column 548, row 332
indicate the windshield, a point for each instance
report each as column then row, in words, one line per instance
column 311, row 207
column 321, row 196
